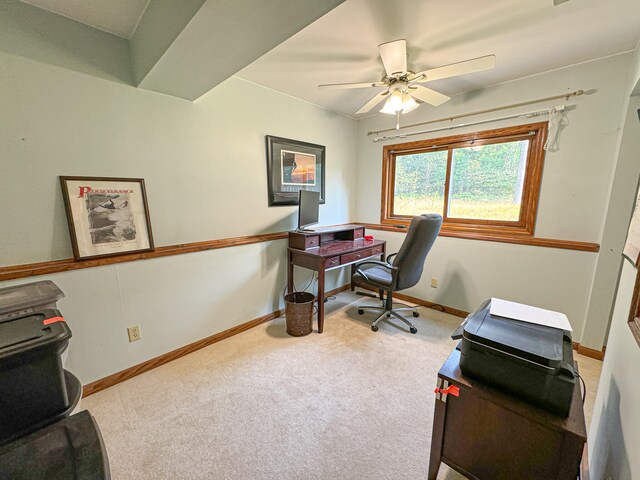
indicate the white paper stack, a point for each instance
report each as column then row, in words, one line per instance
column 527, row 313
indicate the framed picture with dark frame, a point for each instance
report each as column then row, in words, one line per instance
column 106, row 216
column 293, row 166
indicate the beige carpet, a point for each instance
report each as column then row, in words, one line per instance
column 347, row 404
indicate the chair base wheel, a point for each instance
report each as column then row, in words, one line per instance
column 374, row 328
column 413, row 330
column 360, row 311
column 416, row 314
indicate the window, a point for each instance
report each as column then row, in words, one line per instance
column 483, row 184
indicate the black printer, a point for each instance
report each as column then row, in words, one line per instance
column 532, row 361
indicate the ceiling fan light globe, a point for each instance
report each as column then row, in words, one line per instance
column 409, row 105
column 389, row 109
column 393, row 104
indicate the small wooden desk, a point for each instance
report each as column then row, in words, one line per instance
column 328, row 248
column 486, row 434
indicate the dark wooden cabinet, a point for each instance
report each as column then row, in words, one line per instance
column 487, row 434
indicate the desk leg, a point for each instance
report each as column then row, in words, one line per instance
column 321, row 298
column 353, row 270
column 289, row 273
column 437, row 438
column 380, row 291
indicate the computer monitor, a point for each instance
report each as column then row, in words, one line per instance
column 308, row 209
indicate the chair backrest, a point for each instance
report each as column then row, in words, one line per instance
column 423, row 231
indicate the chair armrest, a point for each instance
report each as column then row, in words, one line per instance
column 391, row 268
column 376, row 262
column 389, row 256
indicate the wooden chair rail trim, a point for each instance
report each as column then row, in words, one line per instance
column 55, row 266
column 131, row 372
column 520, row 240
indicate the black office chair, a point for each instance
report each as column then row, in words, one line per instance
column 405, row 270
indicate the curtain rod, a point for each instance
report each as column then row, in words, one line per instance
column 469, row 142
column 479, row 122
column 566, row 96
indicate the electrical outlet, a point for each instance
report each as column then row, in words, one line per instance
column 134, row 333
column 434, row 282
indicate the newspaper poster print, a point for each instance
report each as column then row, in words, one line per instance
column 110, row 218
column 106, row 216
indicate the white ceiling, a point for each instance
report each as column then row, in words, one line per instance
column 119, row 17
column 527, row 37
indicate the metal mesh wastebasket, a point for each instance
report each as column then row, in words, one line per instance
column 299, row 312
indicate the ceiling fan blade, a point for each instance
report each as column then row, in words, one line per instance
column 336, row 86
column 373, row 102
column 394, row 57
column 461, row 68
column 427, row 95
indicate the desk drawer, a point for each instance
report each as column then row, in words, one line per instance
column 359, row 255
column 358, row 233
column 377, row 250
column 332, row 262
column 311, row 241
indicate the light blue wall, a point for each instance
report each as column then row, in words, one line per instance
column 574, row 196
column 204, row 165
column 614, row 436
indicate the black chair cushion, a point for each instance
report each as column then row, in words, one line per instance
column 376, row 274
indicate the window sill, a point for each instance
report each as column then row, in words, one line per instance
column 504, row 237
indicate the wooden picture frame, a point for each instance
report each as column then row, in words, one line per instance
column 106, row 216
column 292, row 166
column 633, row 319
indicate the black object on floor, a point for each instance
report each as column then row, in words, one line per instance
column 17, row 427
column 32, row 383
column 532, row 361
column 71, row 449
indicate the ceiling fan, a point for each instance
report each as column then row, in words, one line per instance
column 402, row 86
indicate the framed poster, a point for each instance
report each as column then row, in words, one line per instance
column 293, row 166
column 106, row 216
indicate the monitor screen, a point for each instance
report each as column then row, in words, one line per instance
column 309, row 208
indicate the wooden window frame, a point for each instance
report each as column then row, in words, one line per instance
column 634, row 312
column 524, row 227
